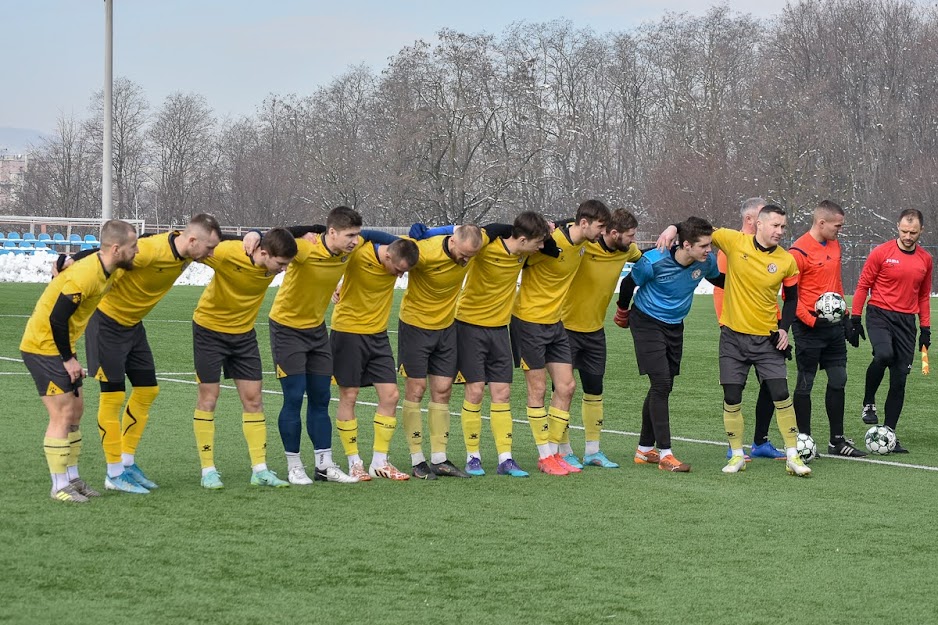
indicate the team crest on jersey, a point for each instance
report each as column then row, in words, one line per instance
column 695, row 274
column 344, row 258
column 76, row 298
column 582, row 251
column 772, row 268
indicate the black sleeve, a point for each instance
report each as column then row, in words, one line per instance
column 788, row 309
column 498, row 230
column 64, row 308
column 626, row 290
column 299, row 231
column 550, row 248
column 719, row 281
column 379, row 236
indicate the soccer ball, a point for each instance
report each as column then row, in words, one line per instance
column 805, row 447
column 830, row 306
column 880, row 439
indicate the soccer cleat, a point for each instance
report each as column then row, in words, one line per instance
column 422, row 471
column 474, row 467
column 69, row 494
column 899, row 449
column 124, row 483
column 388, row 472
column 766, row 450
column 599, row 459
column 844, row 447
column 212, row 480
column 796, row 466
column 552, row 466
column 82, row 487
column 572, row 460
column 566, row 465
column 267, row 478
column 729, row 454
column 647, row 457
column 297, row 475
column 334, row 474
column 137, row 474
column 448, row 469
column 869, row 415
column 357, row 471
column 672, row 464
column 735, row 465
column 510, row 467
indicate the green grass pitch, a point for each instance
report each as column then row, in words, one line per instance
column 634, row 545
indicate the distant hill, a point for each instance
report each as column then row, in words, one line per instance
column 18, row 140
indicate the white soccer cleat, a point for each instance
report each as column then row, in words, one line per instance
column 298, row 476
column 796, row 466
column 334, row 474
column 737, row 464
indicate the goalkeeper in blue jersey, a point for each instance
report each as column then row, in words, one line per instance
column 666, row 282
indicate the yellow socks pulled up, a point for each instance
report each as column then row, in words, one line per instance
column 348, row 434
column 384, row 430
column 57, row 452
column 733, row 424
column 109, row 424
column 254, row 427
column 501, row 427
column 592, row 406
column 203, row 425
column 558, row 423
column 537, row 418
column 439, row 427
column 471, row 418
column 413, row 425
column 136, row 416
column 787, row 423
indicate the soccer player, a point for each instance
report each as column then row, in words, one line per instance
column 426, row 343
column 48, row 349
column 818, row 342
column 583, row 316
column 667, row 281
column 224, row 340
column 762, row 447
column 300, row 345
column 538, row 340
column 362, row 352
column 897, row 279
column 116, row 344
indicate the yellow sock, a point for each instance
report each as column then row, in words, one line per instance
column 136, row 415
column 501, row 427
column 413, row 425
column 592, row 407
column 439, row 427
column 787, row 424
column 733, row 424
column 471, row 418
column 74, row 448
column 558, row 422
column 203, row 424
column 57, row 451
column 537, row 418
column 255, row 433
column 384, row 430
column 109, row 424
column 348, row 434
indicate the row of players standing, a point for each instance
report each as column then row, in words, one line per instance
column 304, row 359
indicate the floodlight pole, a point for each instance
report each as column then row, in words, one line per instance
column 108, row 161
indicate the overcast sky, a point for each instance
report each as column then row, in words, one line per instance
column 236, row 52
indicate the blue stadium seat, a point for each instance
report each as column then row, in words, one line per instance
column 29, row 236
column 13, row 236
column 25, row 248
column 44, row 237
column 9, row 246
column 41, row 246
column 90, row 238
column 86, row 246
column 74, row 238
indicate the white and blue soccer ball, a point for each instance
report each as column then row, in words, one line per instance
column 830, row 306
column 880, row 440
column 806, row 447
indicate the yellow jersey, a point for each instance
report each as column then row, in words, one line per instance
column 366, row 295
column 134, row 293
column 545, row 280
column 489, row 293
column 85, row 283
column 231, row 301
column 584, row 307
column 753, row 279
column 307, row 288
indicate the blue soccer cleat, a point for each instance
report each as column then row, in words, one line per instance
column 267, row 478
column 767, row 450
column 124, row 483
column 510, row 467
column 474, row 467
column 212, row 480
column 572, row 460
column 137, row 475
column 599, row 459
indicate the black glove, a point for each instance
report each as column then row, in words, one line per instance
column 924, row 338
column 854, row 331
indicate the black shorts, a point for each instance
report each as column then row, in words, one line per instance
column 362, row 359
column 49, row 374
column 533, row 345
column 300, row 352
column 887, row 328
column 824, row 346
column 113, row 349
column 659, row 346
column 484, row 354
column 237, row 355
column 739, row 352
column 421, row 352
column 588, row 351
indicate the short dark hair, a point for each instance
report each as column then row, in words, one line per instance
column 278, row 242
column 206, row 222
column 829, row 207
column 404, row 249
column 593, row 210
column 911, row 213
column 621, row 220
column 772, row 209
column 116, row 232
column 343, row 218
column 693, row 229
column 530, row 225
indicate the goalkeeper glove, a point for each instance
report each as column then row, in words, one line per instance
column 622, row 317
column 855, row 331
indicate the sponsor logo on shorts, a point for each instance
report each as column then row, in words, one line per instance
column 100, row 376
column 53, row 389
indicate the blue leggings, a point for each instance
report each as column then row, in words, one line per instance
column 318, row 425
